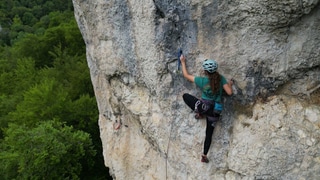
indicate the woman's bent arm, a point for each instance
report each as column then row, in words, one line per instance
column 228, row 87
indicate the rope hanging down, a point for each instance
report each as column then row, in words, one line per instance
column 175, row 108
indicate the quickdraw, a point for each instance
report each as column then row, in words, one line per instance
column 117, row 124
column 179, row 62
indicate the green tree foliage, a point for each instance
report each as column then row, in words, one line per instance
column 51, row 150
column 66, row 36
column 29, row 12
column 14, row 80
column 25, row 75
column 41, row 102
column 47, row 102
column 73, row 70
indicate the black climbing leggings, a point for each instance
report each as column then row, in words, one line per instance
column 207, row 140
column 191, row 101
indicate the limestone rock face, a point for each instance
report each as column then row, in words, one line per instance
column 270, row 128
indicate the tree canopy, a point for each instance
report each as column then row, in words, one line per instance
column 50, row 150
column 48, row 111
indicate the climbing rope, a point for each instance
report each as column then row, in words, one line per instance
column 175, row 107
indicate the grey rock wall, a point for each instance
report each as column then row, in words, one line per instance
column 270, row 127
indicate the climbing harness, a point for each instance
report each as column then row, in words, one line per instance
column 196, row 106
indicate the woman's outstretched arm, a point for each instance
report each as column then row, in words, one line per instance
column 184, row 69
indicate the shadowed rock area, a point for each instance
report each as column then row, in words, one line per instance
column 270, row 127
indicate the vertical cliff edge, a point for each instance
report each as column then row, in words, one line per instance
column 270, row 127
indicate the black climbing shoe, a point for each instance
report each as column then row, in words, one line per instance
column 204, row 159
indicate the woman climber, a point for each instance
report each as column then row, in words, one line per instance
column 210, row 104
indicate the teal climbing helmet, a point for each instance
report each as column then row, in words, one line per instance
column 210, row 65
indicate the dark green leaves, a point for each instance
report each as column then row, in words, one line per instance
column 51, row 150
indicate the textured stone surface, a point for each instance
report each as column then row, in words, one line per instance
column 271, row 125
